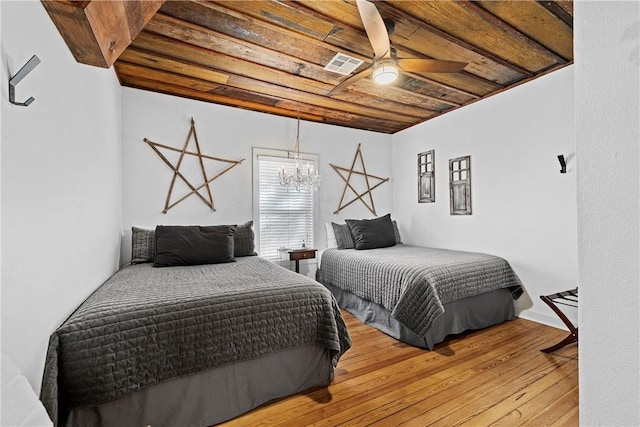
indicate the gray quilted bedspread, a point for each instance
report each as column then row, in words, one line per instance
column 146, row 325
column 414, row 282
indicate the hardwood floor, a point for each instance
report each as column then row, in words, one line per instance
column 496, row 376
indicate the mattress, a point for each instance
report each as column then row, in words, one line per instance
column 410, row 288
column 146, row 326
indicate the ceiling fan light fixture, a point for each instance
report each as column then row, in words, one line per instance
column 385, row 72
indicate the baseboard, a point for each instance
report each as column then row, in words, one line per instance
column 544, row 319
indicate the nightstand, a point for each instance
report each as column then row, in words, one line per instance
column 298, row 254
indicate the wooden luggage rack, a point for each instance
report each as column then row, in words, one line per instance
column 569, row 298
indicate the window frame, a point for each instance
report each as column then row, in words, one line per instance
column 282, row 154
column 460, row 186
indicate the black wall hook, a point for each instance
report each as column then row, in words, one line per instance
column 17, row 78
column 563, row 163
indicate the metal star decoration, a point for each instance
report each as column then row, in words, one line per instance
column 208, row 197
column 358, row 196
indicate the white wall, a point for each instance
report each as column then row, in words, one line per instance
column 524, row 209
column 231, row 133
column 61, row 184
column 607, row 41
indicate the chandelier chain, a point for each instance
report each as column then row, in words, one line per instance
column 304, row 177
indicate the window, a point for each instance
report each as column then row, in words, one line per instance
column 284, row 217
column 426, row 177
column 460, row 186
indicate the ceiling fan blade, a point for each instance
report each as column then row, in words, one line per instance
column 351, row 80
column 430, row 65
column 375, row 28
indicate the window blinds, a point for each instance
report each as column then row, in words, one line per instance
column 286, row 215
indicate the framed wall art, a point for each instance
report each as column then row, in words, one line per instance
column 426, row 177
column 460, row 185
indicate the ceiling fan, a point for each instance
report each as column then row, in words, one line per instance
column 385, row 66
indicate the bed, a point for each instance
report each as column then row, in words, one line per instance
column 415, row 294
column 191, row 345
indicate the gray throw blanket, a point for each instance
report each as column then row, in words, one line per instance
column 414, row 282
column 147, row 325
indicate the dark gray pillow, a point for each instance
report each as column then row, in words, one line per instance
column 343, row 236
column 244, row 240
column 143, row 245
column 396, row 232
column 193, row 245
column 372, row 233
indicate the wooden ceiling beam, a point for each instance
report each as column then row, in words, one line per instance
column 278, row 106
column 126, row 70
column 97, row 32
column 159, row 62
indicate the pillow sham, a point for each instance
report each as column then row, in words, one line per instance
column 396, row 231
column 372, row 233
column 331, row 236
column 178, row 245
column 344, row 240
column 143, row 245
column 244, row 240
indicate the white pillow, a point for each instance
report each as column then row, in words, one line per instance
column 331, row 236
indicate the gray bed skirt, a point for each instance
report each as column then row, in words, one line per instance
column 216, row 395
column 471, row 313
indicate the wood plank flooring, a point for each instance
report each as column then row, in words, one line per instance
column 496, row 376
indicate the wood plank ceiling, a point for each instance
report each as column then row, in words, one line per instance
column 269, row 55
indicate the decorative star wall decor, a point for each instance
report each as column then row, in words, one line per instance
column 358, row 196
column 208, row 197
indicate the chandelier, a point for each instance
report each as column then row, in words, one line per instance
column 304, row 177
